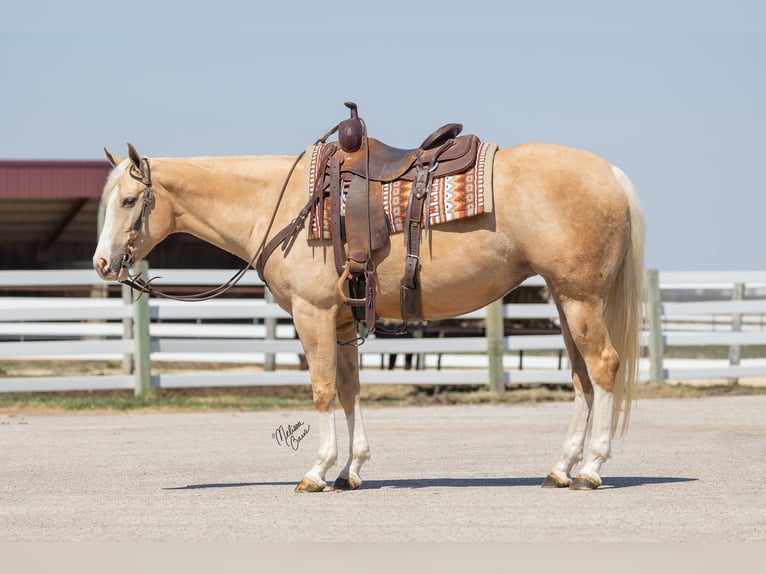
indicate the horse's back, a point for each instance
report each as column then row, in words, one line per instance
column 557, row 176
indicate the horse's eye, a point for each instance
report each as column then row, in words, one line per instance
column 129, row 201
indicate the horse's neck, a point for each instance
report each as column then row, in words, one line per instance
column 226, row 201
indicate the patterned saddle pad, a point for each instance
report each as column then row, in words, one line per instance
column 451, row 197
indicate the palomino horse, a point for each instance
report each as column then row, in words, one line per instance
column 562, row 213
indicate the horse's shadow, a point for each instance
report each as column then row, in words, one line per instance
column 609, row 483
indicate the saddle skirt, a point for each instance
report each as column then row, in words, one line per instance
column 451, row 197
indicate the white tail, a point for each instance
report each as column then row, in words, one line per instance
column 624, row 311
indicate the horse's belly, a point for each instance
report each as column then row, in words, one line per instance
column 459, row 273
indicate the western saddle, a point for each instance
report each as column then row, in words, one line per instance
column 351, row 172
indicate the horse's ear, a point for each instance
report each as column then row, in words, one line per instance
column 114, row 161
column 134, row 157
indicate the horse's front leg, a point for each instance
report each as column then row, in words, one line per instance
column 317, row 331
column 349, row 394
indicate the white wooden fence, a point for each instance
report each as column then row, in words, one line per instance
column 694, row 322
column 255, row 331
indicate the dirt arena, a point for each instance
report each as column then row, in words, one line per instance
column 689, row 470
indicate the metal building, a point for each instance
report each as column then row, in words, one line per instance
column 49, row 219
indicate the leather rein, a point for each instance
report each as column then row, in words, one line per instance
column 285, row 237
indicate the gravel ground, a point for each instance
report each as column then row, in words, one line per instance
column 689, row 470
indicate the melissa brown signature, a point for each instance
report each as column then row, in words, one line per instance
column 291, row 435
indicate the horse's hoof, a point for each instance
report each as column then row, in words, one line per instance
column 553, row 481
column 346, row 483
column 583, row 482
column 308, row 485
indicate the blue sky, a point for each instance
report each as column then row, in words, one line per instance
column 671, row 91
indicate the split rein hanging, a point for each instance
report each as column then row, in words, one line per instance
column 137, row 283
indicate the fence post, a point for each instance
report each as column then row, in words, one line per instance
column 495, row 333
column 127, row 329
column 142, row 343
column 654, row 315
column 269, row 359
column 735, row 351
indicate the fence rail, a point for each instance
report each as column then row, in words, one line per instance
column 256, row 331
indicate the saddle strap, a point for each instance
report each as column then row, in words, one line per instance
column 357, row 270
column 358, row 226
column 409, row 294
column 333, row 164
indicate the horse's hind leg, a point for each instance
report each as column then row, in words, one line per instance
column 588, row 330
column 559, row 476
column 349, row 394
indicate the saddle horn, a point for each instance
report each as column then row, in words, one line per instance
column 351, row 132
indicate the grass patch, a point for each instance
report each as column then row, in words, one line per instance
column 265, row 398
column 714, row 352
column 412, row 395
column 162, row 400
column 299, row 397
column 676, row 390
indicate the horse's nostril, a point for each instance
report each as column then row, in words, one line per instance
column 102, row 266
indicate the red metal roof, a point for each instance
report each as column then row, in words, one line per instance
column 27, row 179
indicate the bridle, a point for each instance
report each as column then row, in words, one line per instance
column 141, row 285
column 284, row 237
column 144, row 175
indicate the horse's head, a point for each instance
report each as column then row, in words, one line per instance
column 136, row 216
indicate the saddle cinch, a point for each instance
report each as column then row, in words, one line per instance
column 352, row 171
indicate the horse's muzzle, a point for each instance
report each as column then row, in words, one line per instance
column 107, row 271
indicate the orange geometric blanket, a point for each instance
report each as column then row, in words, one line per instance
column 451, row 197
